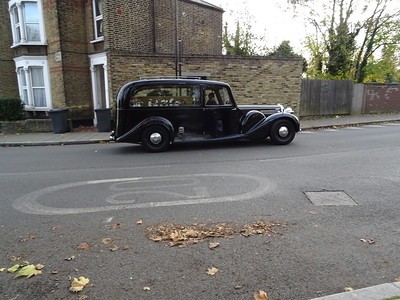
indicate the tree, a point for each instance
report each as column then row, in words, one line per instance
column 286, row 50
column 242, row 42
column 387, row 68
column 349, row 34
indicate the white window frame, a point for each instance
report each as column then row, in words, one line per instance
column 27, row 63
column 19, row 31
column 97, row 18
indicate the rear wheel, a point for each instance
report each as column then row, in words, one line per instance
column 282, row 132
column 155, row 138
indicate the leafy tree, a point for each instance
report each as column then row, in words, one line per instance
column 286, row 50
column 387, row 68
column 342, row 46
column 241, row 43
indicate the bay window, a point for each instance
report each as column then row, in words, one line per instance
column 33, row 82
column 98, row 19
column 26, row 22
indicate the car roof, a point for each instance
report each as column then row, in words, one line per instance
column 172, row 81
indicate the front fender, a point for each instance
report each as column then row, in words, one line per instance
column 135, row 134
column 261, row 130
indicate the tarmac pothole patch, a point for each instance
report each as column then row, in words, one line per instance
column 330, row 198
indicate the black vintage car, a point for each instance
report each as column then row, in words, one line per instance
column 158, row 112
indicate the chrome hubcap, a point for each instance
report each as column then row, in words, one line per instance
column 283, row 131
column 155, row 138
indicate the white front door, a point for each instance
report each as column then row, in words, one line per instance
column 99, row 76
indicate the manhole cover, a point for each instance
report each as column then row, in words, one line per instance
column 333, row 198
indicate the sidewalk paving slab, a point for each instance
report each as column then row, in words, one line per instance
column 378, row 292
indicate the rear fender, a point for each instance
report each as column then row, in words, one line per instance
column 134, row 135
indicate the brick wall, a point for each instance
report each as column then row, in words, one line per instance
column 254, row 80
column 147, row 26
column 200, row 29
column 66, row 28
column 8, row 77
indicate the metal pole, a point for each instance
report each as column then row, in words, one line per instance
column 180, row 63
column 176, row 39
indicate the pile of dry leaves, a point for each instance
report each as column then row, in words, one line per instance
column 185, row 235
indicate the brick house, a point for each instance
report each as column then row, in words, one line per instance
column 76, row 54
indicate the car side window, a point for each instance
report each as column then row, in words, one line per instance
column 217, row 96
column 166, row 96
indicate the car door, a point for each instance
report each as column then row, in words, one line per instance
column 221, row 114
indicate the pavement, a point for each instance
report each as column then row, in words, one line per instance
column 387, row 291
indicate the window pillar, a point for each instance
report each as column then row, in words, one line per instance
column 28, row 85
column 22, row 28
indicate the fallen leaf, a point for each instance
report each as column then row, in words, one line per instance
column 78, row 284
column 146, row 288
column 106, row 241
column 348, row 289
column 15, row 258
column 54, row 272
column 125, row 247
column 140, row 222
column 212, row 271
column 2, row 269
column 28, row 271
column 260, row 295
column 397, row 278
column 367, row 241
column 115, row 226
column 28, row 238
column 83, row 246
column 114, row 248
column 70, row 258
column 312, row 212
column 212, row 246
column 39, row 267
column 13, row 269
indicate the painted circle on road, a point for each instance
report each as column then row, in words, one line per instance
column 146, row 192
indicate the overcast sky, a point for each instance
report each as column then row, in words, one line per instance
column 269, row 18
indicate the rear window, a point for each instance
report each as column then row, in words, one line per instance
column 166, row 96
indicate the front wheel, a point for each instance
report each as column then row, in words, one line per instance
column 155, row 138
column 282, row 132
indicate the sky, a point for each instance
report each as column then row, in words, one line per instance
column 269, row 18
column 275, row 20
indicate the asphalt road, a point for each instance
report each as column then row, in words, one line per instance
column 57, row 199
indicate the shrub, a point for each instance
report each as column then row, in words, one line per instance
column 11, row 109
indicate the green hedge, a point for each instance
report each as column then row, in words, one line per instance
column 11, row 109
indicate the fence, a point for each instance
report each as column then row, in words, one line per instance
column 338, row 97
column 325, row 97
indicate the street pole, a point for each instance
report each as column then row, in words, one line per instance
column 176, row 39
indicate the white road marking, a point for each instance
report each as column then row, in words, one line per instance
column 30, row 203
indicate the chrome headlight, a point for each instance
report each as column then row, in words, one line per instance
column 288, row 110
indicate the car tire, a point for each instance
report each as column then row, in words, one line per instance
column 155, row 138
column 282, row 132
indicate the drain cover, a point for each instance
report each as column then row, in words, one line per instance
column 333, row 198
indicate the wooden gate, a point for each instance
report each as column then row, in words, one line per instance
column 326, row 97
